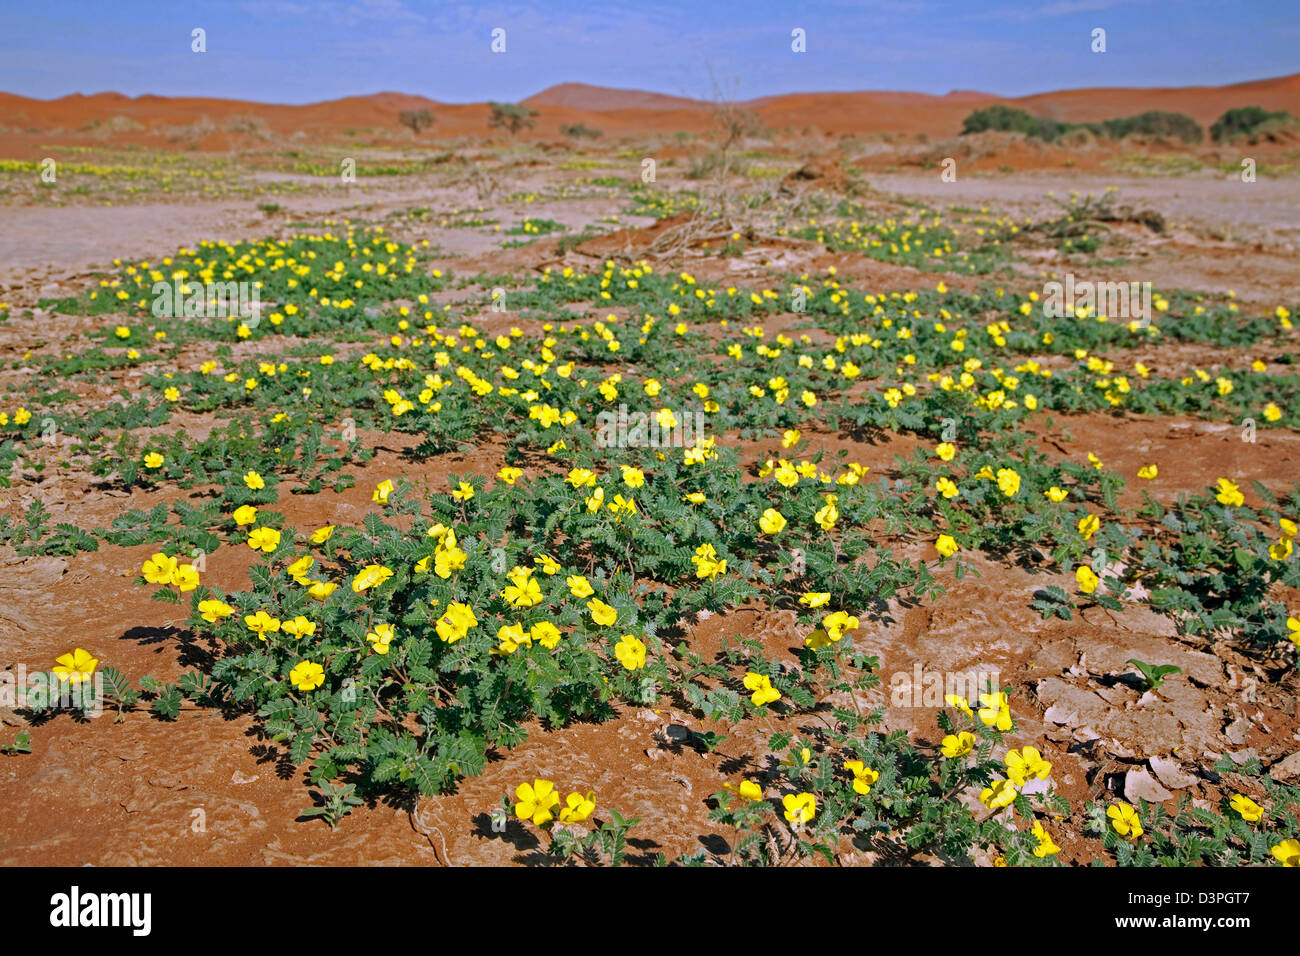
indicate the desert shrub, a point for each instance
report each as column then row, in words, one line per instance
column 703, row 166
column 416, row 120
column 1007, row 119
column 1247, row 121
column 580, row 131
column 192, row 132
column 1155, row 123
column 1077, row 137
column 511, row 117
column 249, row 125
column 114, row 124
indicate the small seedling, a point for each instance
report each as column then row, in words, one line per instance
column 1153, row 675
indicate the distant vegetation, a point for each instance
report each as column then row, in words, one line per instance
column 511, row 117
column 580, row 131
column 416, row 120
column 1152, row 123
column 1006, row 119
column 1252, row 121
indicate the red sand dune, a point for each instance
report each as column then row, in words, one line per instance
column 580, row 96
column 617, row 112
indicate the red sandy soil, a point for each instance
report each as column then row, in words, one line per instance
column 70, row 119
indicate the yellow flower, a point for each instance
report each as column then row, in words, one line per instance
column 834, row 626
column 946, row 451
column 622, row 506
column 455, row 622
column 1228, row 494
column 838, row 623
column 153, row 460
column 1293, row 625
column 382, row 491
column 763, row 691
column 1025, row 764
column 463, row 492
column 995, row 711
column 321, row 590
column 1287, row 852
column 372, row 575
column 749, row 790
column 800, row 807
column 630, row 652
column 1046, row 847
column 213, row 611
column 298, row 569
column 1250, row 811
column 815, row 599
column 772, row 521
column 863, row 777
column 262, row 624
column 946, row 487
column 633, row 477
column 1280, row 550
column 536, row 802
column 510, row 475
column 707, row 565
column 579, row 587
column 958, row 702
column 299, row 627
column 1056, row 494
column 75, row 666
column 448, row 557
column 245, row 514
column 546, row 634
column 946, row 545
column 818, row 639
column 958, row 745
column 602, row 613
column 998, row 794
column 307, row 675
column 828, row 515
column 512, row 637
column 1008, row 482
column 321, row 535
column 577, row 807
column 254, row 481
column 1124, row 820
column 1148, row 472
column 186, row 578
column 523, row 590
column 785, row 475
column 1088, row 526
column 1087, row 580
column 581, row 478
column 264, row 539
column 381, row 637
column 159, row 569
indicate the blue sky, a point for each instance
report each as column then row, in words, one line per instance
column 301, row 51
